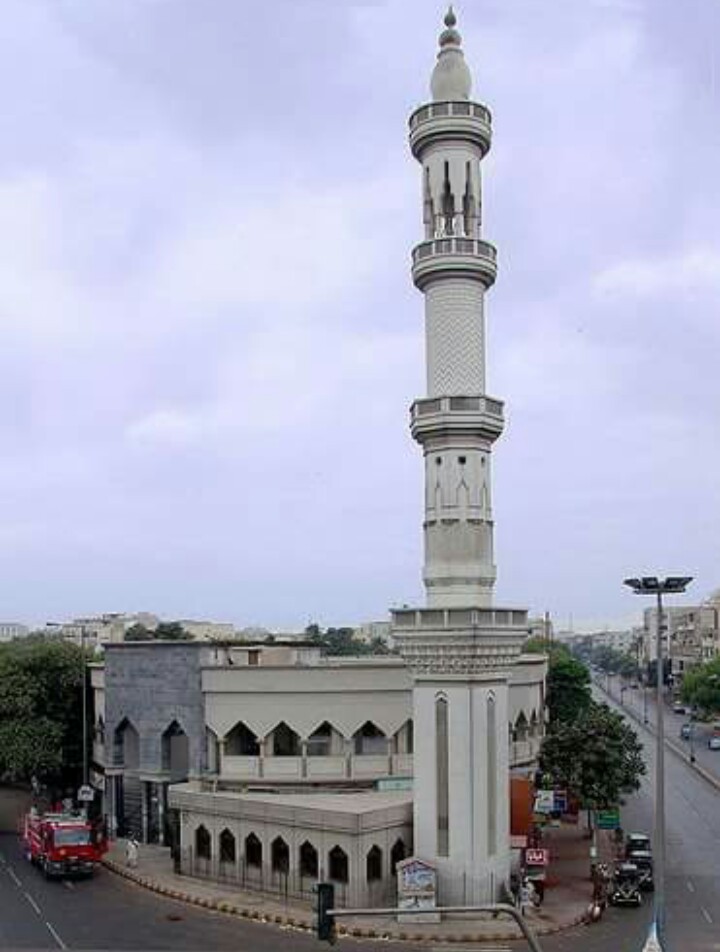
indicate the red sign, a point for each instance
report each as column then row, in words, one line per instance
column 536, row 857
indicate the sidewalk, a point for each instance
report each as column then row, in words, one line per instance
column 567, row 896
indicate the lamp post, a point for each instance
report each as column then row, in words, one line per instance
column 651, row 585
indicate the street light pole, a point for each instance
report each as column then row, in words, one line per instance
column 654, row 586
column 84, row 714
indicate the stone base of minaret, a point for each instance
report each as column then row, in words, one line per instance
column 460, row 660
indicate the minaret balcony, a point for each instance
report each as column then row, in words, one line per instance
column 444, row 122
column 454, row 256
column 478, row 416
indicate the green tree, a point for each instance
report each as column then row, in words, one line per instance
column 41, row 683
column 171, row 631
column 568, row 681
column 701, row 687
column 598, row 756
column 139, row 632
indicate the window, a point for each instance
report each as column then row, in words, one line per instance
column 442, row 789
column 241, row 742
column 338, row 865
column 319, row 743
column 203, row 843
column 373, row 864
column 253, row 851
column 397, row 855
column 308, row 860
column 370, row 740
column 280, row 856
column 285, row 742
column 227, row 847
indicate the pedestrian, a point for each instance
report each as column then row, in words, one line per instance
column 539, row 886
column 131, row 853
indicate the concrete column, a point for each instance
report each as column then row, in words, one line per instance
column 144, row 796
column 162, row 788
column 303, row 756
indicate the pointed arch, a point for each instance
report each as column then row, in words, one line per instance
column 308, row 860
column 374, row 864
column 285, row 742
column 253, row 851
column 203, row 843
column 338, row 865
column 227, row 846
column 280, row 856
column 241, row 742
column 369, row 739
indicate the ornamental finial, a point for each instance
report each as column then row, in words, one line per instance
column 451, row 79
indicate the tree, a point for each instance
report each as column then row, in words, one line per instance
column 139, row 632
column 568, row 681
column 171, row 631
column 41, row 683
column 165, row 631
column 598, row 756
column 701, row 687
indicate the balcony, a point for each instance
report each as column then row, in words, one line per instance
column 450, row 121
column 454, row 256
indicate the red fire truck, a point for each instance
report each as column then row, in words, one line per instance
column 62, row 844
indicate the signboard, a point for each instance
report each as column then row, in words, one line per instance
column 85, row 794
column 537, row 857
column 417, row 886
column 544, row 801
column 561, row 801
column 394, row 783
column 608, row 819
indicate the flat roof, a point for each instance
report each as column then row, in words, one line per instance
column 354, row 802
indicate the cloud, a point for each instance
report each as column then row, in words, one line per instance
column 693, row 271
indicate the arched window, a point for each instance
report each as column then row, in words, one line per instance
column 285, row 742
column 338, row 865
column 227, row 847
column 397, row 855
column 324, row 741
column 308, row 860
column 127, row 745
column 280, row 855
column 175, row 752
column 374, row 864
column 370, row 740
column 241, row 742
column 253, row 851
column 203, row 843
column 521, row 727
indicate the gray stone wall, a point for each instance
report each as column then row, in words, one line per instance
column 153, row 684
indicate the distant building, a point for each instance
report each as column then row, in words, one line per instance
column 12, row 629
column 208, row 630
column 371, row 631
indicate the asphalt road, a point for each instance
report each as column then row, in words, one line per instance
column 692, row 808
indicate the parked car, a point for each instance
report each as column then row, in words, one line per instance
column 714, row 743
column 679, row 708
column 686, row 731
column 637, row 843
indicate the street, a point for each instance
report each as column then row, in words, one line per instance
column 693, row 847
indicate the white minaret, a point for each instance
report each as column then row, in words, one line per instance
column 459, row 648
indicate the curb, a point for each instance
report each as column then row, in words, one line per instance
column 305, row 925
column 670, row 744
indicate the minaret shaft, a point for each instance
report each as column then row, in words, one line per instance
column 459, row 648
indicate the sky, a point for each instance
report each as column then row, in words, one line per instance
column 209, row 339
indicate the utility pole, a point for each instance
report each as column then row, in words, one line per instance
column 653, row 586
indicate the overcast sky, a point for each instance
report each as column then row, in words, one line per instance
column 209, row 338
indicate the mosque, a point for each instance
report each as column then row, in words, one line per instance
column 271, row 766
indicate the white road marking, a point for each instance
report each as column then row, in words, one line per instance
column 12, row 875
column 708, row 917
column 690, row 886
column 33, row 903
column 55, row 936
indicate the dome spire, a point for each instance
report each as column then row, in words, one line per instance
column 451, row 79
